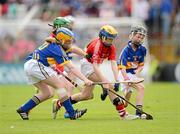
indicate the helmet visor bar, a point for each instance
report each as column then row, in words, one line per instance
column 109, row 40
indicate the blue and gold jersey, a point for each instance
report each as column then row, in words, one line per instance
column 130, row 59
column 49, row 54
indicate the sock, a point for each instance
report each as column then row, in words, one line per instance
column 59, row 103
column 34, row 101
column 137, row 111
column 73, row 101
column 119, row 106
column 68, row 106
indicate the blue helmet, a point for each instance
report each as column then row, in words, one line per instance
column 107, row 34
column 64, row 35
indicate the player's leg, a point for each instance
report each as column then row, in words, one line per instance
column 118, row 103
column 56, row 103
column 139, row 98
column 140, row 92
column 87, row 92
column 70, row 88
column 63, row 96
column 43, row 94
column 125, row 88
column 35, row 77
column 127, row 92
column 127, row 96
column 38, row 73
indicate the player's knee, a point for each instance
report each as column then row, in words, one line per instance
column 51, row 95
column 125, row 104
column 141, row 88
column 62, row 93
column 91, row 96
column 88, row 96
column 117, row 101
column 47, row 94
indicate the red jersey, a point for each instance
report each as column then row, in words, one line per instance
column 100, row 52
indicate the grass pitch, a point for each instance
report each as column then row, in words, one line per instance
column 162, row 100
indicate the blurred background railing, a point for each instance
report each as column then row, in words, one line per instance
column 24, row 25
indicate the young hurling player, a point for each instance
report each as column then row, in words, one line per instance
column 101, row 48
column 39, row 68
column 131, row 63
column 67, row 22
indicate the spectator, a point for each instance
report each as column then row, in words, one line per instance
column 7, row 50
column 166, row 10
column 141, row 10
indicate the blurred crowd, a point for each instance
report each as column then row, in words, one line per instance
column 159, row 15
column 162, row 17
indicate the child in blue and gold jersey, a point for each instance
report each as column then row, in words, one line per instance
column 40, row 69
column 131, row 63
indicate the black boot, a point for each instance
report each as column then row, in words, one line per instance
column 104, row 94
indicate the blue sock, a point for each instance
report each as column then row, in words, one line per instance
column 30, row 104
column 69, row 108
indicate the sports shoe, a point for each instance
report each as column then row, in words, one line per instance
column 66, row 115
column 24, row 115
column 130, row 117
column 55, row 108
column 78, row 114
column 104, row 95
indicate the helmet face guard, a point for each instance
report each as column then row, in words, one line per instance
column 64, row 36
column 107, row 41
column 138, row 30
column 107, row 35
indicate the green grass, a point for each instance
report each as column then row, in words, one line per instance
column 161, row 100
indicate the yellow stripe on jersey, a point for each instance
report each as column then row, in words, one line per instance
column 69, row 50
column 141, row 64
column 121, row 67
column 35, row 56
column 64, row 63
column 51, row 61
column 128, row 66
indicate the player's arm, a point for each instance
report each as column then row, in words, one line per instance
column 50, row 39
column 76, row 72
column 138, row 70
column 122, row 63
column 141, row 62
column 99, row 73
column 124, row 74
column 114, row 69
column 78, row 51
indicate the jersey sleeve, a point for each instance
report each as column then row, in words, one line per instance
column 112, row 55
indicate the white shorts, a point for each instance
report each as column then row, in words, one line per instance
column 124, row 87
column 36, row 71
column 86, row 68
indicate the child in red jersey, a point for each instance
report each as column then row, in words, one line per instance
column 100, row 49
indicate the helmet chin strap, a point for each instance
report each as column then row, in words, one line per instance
column 106, row 44
column 135, row 44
